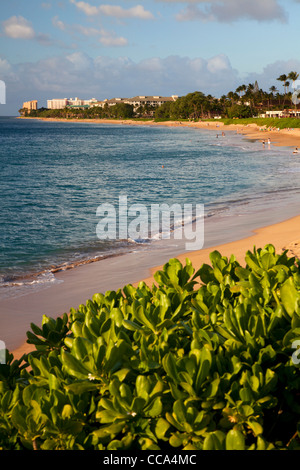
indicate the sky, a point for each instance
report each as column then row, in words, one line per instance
column 123, row 48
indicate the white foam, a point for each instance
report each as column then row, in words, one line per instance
column 19, row 287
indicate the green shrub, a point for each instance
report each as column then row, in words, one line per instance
column 202, row 360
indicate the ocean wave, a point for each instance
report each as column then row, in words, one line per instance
column 16, row 286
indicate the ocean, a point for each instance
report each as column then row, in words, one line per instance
column 55, row 175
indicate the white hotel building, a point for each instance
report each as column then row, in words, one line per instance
column 62, row 103
column 136, row 102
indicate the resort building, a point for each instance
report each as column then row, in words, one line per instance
column 137, row 101
column 110, row 102
column 57, row 103
column 286, row 113
column 154, row 101
column 62, row 103
column 29, row 106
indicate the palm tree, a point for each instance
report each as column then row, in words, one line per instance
column 294, row 76
column 283, row 78
column 273, row 90
column 241, row 89
column 249, row 95
column 232, row 96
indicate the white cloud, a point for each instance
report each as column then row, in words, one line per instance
column 105, row 77
column 17, row 27
column 218, row 64
column 106, row 38
column 5, row 69
column 119, row 12
column 57, row 23
column 78, row 74
column 79, row 61
column 84, row 30
column 230, row 10
column 268, row 77
column 114, row 10
column 111, row 40
column 86, row 8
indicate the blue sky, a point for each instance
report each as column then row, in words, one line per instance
column 120, row 48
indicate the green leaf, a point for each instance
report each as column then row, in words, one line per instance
column 79, row 388
column 235, row 440
column 242, row 273
column 176, row 440
column 33, row 339
column 215, row 257
column 255, row 427
column 214, row 441
column 204, row 367
column 170, row 367
column 131, row 325
column 155, row 408
column 106, row 417
column 67, row 412
column 268, row 261
column 142, row 386
column 19, row 418
column 141, row 315
column 289, row 296
column 206, row 273
column 180, row 411
column 73, row 366
column 79, row 349
column 110, row 431
column 252, row 263
column 36, row 329
column 161, row 428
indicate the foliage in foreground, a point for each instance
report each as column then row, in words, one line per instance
column 180, row 365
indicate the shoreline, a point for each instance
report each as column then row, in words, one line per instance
column 279, row 138
column 79, row 281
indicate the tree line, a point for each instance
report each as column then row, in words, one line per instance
column 245, row 102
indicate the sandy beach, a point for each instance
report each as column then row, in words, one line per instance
column 283, row 137
column 79, row 284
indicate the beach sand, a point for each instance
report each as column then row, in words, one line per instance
column 80, row 283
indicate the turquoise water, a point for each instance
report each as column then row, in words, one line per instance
column 55, row 175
